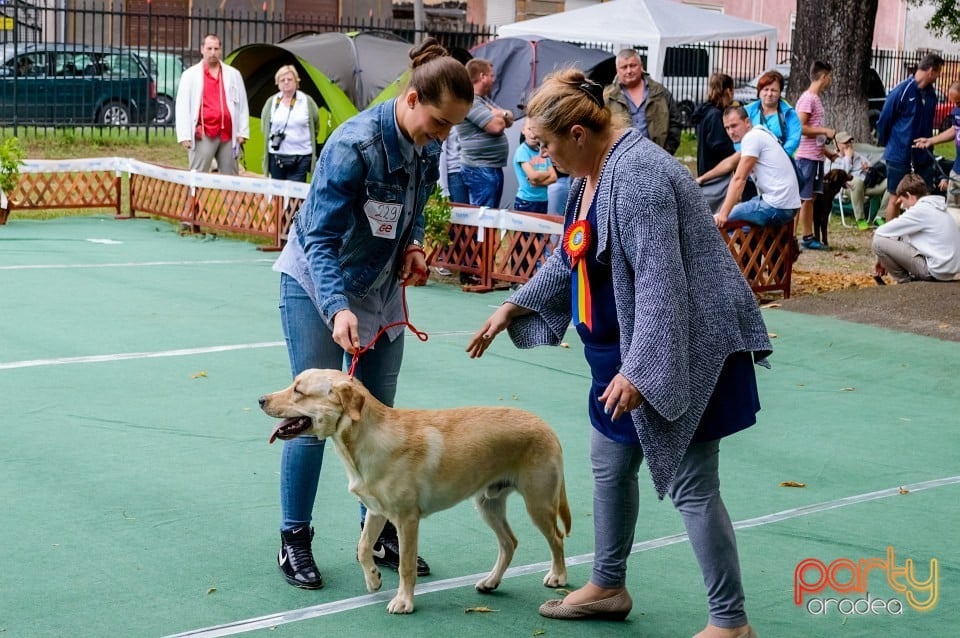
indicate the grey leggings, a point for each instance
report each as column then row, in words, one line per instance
column 695, row 493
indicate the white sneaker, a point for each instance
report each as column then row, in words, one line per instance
column 444, row 272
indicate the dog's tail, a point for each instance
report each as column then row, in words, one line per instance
column 564, row 508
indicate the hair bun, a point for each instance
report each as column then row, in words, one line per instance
column 429, row 49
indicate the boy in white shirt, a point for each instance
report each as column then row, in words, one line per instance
column 922, row 244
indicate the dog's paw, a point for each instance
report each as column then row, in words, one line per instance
column 372, row 579
column 487, row 585
column 555, row 580
column 401, row 605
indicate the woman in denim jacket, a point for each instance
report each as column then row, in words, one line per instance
column 359, row 234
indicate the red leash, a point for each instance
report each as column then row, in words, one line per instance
column 422, row 336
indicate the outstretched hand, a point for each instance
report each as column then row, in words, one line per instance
column 494, row 325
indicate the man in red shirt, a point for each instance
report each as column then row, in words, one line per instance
column 213, row 117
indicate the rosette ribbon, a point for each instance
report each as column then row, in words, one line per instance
column 576, row 241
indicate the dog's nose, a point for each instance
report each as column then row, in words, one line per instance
column 262, row 400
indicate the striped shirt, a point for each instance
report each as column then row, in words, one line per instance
column 478, row 148
column 811, row 147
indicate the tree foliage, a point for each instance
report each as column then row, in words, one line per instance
column 839, row 32
column 946, row 17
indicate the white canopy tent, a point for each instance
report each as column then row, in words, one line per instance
column 656, row 24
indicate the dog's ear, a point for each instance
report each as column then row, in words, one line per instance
column 351, row 398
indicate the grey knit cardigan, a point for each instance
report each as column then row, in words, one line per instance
column 682, row 304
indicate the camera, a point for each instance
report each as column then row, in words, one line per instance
column 276, row 139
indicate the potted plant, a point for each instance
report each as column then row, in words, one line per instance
column 11, row 159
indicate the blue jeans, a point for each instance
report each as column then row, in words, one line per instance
column 557, row 194
column 310, row 344
column 759, row 213
column 458, row 190
column 484, row 184
column 528, row 206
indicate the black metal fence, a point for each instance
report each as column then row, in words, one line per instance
column 89, row 102
column 55, row 41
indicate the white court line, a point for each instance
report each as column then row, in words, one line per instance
column 337, row 606
column 126, row 356
column 137, row 264
column 185, row 352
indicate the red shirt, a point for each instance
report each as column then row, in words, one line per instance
column 214, row 115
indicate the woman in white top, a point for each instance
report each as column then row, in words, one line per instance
column 289, row 122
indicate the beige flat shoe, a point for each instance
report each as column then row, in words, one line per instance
column 613, row 608
column 748, row 632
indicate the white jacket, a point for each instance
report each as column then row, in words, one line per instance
column 190, row 96
column 931, row 230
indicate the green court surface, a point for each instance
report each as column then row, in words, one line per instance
column 139, row 496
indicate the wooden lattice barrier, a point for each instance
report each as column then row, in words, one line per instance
column 502, row 257
column 765, row 254
column 197, row 208
column 157, row 196
column 68, row 189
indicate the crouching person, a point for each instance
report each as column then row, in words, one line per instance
column 922, row 244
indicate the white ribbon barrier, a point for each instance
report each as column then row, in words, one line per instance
column 482, row 218
column 503, row 220
column 193, row 179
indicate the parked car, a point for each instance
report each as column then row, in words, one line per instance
column 746, row 93
column 941, row 117
column 55, row 83
column 166, row 68
column 686, row 74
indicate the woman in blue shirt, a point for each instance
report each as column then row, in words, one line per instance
column 358, row 235
column 774, row 113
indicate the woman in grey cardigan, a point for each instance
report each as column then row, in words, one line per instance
column 670, row 331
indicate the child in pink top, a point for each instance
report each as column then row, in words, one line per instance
column 812, row 150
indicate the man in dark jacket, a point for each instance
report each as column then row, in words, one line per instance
column 907, row 116
column 644, row 102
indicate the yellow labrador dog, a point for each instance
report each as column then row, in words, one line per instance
column 407, row 464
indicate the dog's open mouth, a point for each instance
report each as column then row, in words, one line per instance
column 290, row 428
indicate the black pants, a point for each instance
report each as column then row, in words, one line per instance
column 289, row 167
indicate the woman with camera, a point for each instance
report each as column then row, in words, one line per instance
column 289, row 122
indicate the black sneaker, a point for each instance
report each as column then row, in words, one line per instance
column 296, row 559
column 386, row 553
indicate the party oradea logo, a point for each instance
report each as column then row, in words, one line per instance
column 843, row 586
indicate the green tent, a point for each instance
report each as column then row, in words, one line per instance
column 343, row 73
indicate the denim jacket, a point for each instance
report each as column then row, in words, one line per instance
column 354, row 220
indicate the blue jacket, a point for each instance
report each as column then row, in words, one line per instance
column 907, row 114
column 789, row 139
column 359, row 191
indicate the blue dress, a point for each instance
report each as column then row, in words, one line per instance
column 732, row 406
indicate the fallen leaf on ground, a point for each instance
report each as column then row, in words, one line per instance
column 771, row 305
column 211, row 590
column 847, row 389
column 792, row 484
column 772, row 335
column 564, row 345
column 202, row 373
column 485, row 610
column 904, row 490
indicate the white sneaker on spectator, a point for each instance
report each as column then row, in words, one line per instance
column 443, row 272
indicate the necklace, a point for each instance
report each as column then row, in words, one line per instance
column 583, row 185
